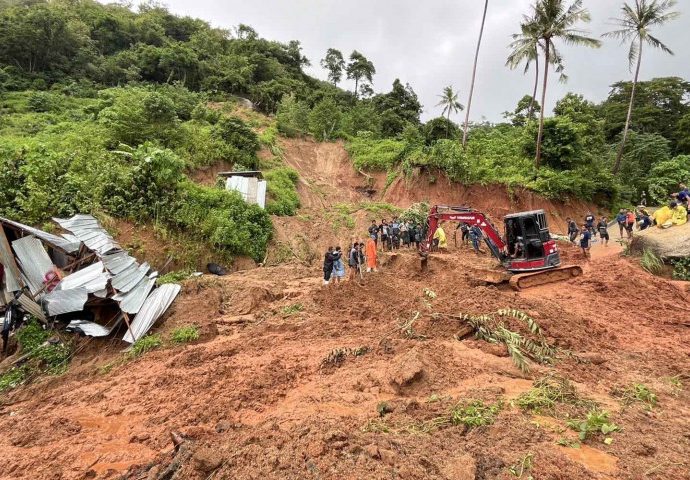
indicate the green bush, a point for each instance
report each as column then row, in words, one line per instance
column 681, row 268
column 370, row 154
column 282, row 191
column 292, row 118
column 223, row 219
column 241, row 143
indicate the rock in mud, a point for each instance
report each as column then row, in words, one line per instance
column 593, row 358
column 406, row 369
column 206, row 459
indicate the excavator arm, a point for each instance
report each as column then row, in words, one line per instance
column 440, row 213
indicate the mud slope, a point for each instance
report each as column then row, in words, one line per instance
column 255, row 397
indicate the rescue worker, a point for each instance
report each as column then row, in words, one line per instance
column 585, row 240
column 475, row 237
column 629, row 222
column 589, row 221
column 620, row 219
column 371, row 255
column 440, row 238
column 374, row 232
column 573, row 231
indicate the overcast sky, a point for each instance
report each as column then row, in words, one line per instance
column 431, row 44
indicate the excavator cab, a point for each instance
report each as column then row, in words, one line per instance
column 529, row 246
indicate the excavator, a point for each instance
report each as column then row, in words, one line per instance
column 527, row 252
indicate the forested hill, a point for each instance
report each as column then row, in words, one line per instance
column 105, row 109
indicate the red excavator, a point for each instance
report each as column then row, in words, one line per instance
column 526, row 250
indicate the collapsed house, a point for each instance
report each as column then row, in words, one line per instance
column 82, row 278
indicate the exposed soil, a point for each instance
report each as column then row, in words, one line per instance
column 254, row 397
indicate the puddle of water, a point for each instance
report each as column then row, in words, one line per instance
column 591, row 458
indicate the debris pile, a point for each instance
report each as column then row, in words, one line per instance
column 81, row 278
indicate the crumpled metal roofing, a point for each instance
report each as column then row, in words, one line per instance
column 117, row 262
column 91, row 278
column 91, row 329
column 33, row 261
column 58, row 302
column 129, row 278
column 87, row 229
column 132, row 301
column 154, row 306
column 68, row 243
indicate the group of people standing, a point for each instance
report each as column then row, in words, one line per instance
column 398, row 233
column 588, row 231
column 360, row 257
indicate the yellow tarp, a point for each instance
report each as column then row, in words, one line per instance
column 680, row 215
column 441, row 236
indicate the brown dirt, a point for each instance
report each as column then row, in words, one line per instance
column 254, row 397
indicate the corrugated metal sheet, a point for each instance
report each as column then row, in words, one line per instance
column 11, row 269
column 91, row 278
column 70, row 245
column 118, row 262
column 64, row 301
column 155, row 305
column 130, row 278
column 132, row 301
column 31, row 307
column 89, row 328
column 87, row 229
column 33, row 260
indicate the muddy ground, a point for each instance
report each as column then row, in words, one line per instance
column 294, row 380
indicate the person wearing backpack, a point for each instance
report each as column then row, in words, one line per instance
column 603, row 227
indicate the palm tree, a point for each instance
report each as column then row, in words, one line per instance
column 450, row 104
column 553, row 21
column 474, row 74
column 635, row 25
column 525, row 48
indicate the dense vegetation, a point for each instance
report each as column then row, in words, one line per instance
column 106, row 109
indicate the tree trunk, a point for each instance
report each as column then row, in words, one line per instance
column 356, row 87
column 530, row 110
column 537, row 159
column 448, row 126
column 621, row 148
column 474, row 74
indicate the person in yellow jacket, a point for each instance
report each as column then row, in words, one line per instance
column 680, row 214
column 440, row 238
column 663, row 216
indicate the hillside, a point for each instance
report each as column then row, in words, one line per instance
column 289, row 379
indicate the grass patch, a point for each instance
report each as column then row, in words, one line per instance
column 651, row 262
column 596, row 422
column 475, row 414
column 145, row 344
column 186, row 334
column 548, row 393
column 13, row 378
column 638, row 393
column 173, row 277
column 292, row 309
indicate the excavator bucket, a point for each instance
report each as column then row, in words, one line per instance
column 526, row 280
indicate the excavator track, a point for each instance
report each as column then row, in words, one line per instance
column 526, row 280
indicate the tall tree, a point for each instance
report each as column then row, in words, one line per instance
column 359, row 68
column 474, row 74
column 525, row 48
column 335, row 64
column 635, row 24
column 556, row 21
column 449, row 102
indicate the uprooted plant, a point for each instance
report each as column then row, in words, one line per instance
column 468, row 414
column 637, row 393
column 407, row 327
column 490, row 328
column 337, row 356
column 549, row 393
column 595, row 422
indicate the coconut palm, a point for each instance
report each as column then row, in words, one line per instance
column 474, row 74
column 635, row 24
column 556, row 21
column 449, row 102
column 525, row 48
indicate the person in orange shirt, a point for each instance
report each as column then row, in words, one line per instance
column 370, row 251
column 629, row 222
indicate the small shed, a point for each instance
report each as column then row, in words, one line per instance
column 250, row 184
